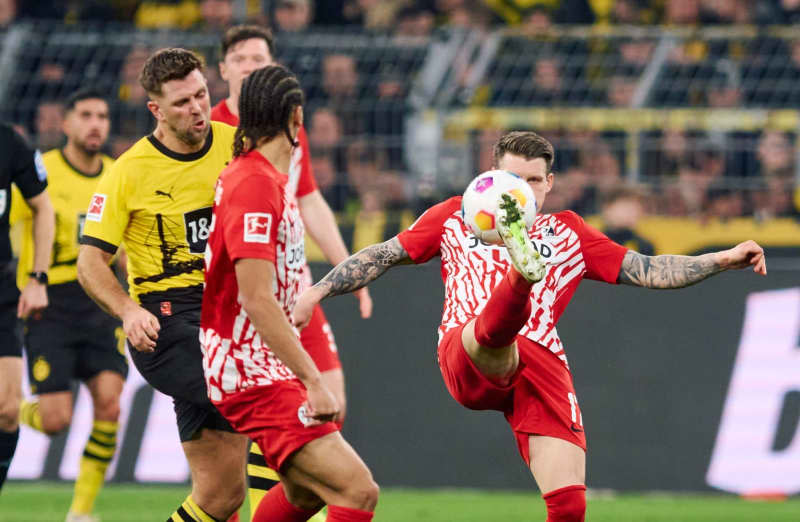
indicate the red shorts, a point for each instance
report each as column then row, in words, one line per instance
column 317, row 339
column 270, row 416
column 540, row 400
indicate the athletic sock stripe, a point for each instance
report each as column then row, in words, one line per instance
column 107, row 433
column 97, row 457
column 255, row 450
column 184, row 515
column 112, row 444
column 262, row 483
column 256, row 459
column 259, row 471
column 100, row 451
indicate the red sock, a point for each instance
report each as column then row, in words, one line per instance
column 274, row 507
column 343, row 514
column 507, row 311
column 566, row 504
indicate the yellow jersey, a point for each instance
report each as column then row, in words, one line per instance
column 70, row 191
column 158, row 203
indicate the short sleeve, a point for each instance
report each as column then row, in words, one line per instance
column 422, row 239
column 306, row 184
column 107, row 216
column 250, row 217
column 27, row 168
column 602, row 256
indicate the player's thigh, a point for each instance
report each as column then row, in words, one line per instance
column 495, row 363
column 556, row 463
column 10, row 391
column 329, row 467
column 217, row 460
column 102, row 366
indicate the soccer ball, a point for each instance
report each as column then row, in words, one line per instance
column 480, row 201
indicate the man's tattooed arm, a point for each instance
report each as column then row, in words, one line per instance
column 666, row 271
column 363, row 267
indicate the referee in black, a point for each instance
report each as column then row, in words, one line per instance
column 22, row 166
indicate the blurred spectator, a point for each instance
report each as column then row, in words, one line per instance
column 48, row 125
column 414, row 24
column 514, row 12
column 377, row 188
column 546, row 82
column 8, row 12
column 131, row 115
column 714, row 12
column 216, row 15
column 682, row 12
column 723, row 202
column 774, row 199
column 724, row 90
column 630, row 12
column 622, row 88
column 340, row 86
column 325, row 131
column 776, row 156
column 159, row 14
column 292, row 15
column 785, row 12
column 622, row 208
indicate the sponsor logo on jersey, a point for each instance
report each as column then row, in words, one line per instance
column 96, row 207
column 256, row 227
column 166, row 308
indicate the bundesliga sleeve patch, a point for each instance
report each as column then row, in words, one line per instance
column 256, row 227
column 38, row 162
column 96, row 206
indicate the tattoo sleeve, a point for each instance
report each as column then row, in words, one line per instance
column 666, row 271
column 363, row 267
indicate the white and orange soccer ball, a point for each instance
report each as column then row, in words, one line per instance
column 481, row 199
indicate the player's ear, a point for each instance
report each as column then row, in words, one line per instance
column 296, row 121
column 549, row 178
column 155, row 109
column 223, row 71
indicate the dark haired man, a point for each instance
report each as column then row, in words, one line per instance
column 498, row 347
column 157, row 200
column 244, row 49
column 22, row 166
column 59, row 353
column 258, row 374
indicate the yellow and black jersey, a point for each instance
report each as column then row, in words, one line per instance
column 70, row 191
column 158, row 203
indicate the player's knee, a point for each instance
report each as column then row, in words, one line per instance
column 222, row 498
column 9, row 414
column 566, row 504
column 364, row 493
column 55, row 422
column 106, row 408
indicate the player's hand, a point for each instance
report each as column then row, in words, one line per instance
column 141, row 328
column 32, row 300
column 743, row 255
column 304, row 308
column 364, row 302
column 321, row 405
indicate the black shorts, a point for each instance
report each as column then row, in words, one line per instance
column 73, row 339
column 175, row 368
column 10, row 343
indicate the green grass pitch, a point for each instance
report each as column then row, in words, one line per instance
column 47, row 502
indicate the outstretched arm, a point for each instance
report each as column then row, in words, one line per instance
column 351, row 274
column 668, row 271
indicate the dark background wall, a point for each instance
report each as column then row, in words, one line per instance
column 651, row 369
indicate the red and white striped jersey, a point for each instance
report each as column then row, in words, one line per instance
column 254, row 217
column 572, row 250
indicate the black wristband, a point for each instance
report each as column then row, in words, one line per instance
column 40, row 277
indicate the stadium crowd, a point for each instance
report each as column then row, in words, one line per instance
column 359, row 95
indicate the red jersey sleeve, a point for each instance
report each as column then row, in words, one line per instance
column 250, row 218
column 602, row 256
column 422, row 239
column 306, row 184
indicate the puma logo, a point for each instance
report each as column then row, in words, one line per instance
column 162, row 193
